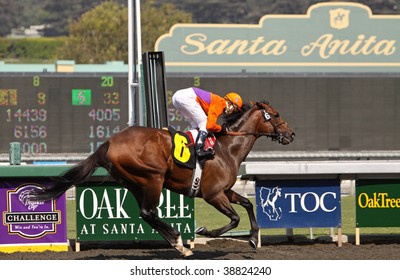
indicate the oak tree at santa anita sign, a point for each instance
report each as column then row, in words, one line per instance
column 111, row 213
column 331, row 37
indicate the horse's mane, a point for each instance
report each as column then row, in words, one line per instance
column 233, row 118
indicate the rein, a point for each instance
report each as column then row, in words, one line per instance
column 257, row 134
column 267, row 118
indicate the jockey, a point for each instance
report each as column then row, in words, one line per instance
column 202, row 109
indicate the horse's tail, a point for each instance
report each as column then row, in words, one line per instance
column 78, row 174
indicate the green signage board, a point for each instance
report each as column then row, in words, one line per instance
column 110, row 213
column 81, row 97
column 378, row 203
column 330, row 37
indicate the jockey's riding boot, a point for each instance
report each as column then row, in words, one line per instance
column 201, row 153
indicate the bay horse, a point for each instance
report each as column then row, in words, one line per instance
column 139, row 158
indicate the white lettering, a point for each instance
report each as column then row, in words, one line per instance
column 303, row 203
column 119, row 202
column 292, row 201
column 85, row 230
column 105, row 200
column 82, row 204
column 171, row 210
column 314, row 202
column 182, row 208
column 322, row 201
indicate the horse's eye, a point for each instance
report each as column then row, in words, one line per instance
column 276, row 115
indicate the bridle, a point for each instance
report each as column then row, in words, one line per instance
column 278, row 136
column 268, row 117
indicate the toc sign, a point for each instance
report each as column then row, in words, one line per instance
column 298, row 203
column 111, row 213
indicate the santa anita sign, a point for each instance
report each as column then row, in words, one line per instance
column 331, row 37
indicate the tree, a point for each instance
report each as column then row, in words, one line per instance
column 58, row 13
column 8, row 16
column 250, row 11
column 101, row 34
column 98, row 35
column 157, row 21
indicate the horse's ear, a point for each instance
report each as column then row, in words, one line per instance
column 254, row 103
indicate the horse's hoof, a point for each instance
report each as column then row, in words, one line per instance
column 201, row 230
column 253, row 243
column 185, row 252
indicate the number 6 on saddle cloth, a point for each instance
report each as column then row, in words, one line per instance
column 183, row 151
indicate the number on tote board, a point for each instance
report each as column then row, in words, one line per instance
column 107, row 81
column 102, row 131
column 33, row 148
column 28, row 115
column 36, row 81
column 30, row 131
column 111, row 98
column 41, row 98
column 107, row 115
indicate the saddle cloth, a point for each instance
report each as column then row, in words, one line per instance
column 183, row 145
column 183, row 154
column 183, row 151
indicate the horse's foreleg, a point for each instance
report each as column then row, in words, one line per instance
column 222, row 204
column 238, row 199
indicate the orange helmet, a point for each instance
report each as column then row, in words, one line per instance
column 234, row 98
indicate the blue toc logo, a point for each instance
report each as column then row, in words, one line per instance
column 298, row 203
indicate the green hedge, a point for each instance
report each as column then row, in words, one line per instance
column 30, row 48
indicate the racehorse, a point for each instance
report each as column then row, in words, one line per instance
column 139, row 158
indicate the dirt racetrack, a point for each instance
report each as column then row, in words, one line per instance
column 298, row 248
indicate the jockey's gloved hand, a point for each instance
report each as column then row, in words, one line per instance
column 224, row 129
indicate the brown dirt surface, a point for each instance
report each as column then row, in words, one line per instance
column 371, row 248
